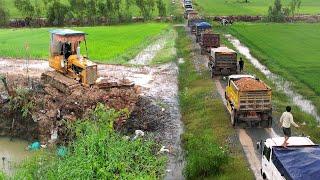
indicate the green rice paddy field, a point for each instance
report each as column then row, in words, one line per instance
column 291, row 50
column 254, row 7
column 112, row 44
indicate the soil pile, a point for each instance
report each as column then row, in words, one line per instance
column 51, row 108
column 249, row 84
column 150, row 116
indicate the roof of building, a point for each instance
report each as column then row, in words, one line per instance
column 66, row 32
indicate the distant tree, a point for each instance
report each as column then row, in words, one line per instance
column 78, row 9
column 92, row 11
column 57, row 12
column 294, row 6
column 25, row 7
column 161, row 8
column 4, row 15
column 146, row 8
column 276, row 13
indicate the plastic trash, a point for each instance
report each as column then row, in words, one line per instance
column 138, row 133
column 62, row 151
column 163, row 149
column 34, row 146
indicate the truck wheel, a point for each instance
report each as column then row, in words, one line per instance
column 263, row 174
column 233, row 118
column 269, row 122
column 202, row 51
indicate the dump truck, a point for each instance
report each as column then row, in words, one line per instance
column 192, row 14
column 192, row 23
column 222, row 61
column 186, row 12
column 248, row 101
column 299, row 161
column 209, row 40
column 201, row 27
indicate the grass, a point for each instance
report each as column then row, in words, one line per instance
column 110, row 44
column 279, row 99
column 208, row 153
column 291, row 50
column 254, row 7
column 14, row 13
column 98, row 152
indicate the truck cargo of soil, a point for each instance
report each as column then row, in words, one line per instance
column 222, row 61
column 249, row 101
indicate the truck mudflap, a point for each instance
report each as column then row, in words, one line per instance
column 254, row 119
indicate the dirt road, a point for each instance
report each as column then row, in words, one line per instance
column 247, row 137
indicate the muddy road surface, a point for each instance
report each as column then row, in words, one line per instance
column 248, row 137
column 158, row 83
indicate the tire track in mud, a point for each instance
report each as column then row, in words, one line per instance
column 247, row 137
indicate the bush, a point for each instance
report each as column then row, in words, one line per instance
column 4, row 14
column 277, row 13
column 205, row 159
column 98, row 153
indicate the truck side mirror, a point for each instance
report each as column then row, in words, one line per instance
column 258, row 145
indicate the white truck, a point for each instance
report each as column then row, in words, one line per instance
column 299, row 161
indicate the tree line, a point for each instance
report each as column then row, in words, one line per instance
column 83, row 12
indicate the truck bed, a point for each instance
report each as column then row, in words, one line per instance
column 298, row 162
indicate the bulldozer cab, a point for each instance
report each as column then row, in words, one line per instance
column 66, row 42
column 65, row 56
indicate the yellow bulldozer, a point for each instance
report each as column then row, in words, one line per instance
column 71, row 69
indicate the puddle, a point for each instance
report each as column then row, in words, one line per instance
column 281, row 84
column 11, row 153
column 146, row 55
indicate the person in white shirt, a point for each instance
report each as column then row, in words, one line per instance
column 286, row 120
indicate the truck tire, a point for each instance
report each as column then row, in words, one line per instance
column 263, row 174
column 269, row 122
column 233, row 118
column 202, row 51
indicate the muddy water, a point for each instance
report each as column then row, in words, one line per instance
column 13, row 152
column 281, row 84
column 146, row 55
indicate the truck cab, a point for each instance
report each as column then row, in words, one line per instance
column 300, row 160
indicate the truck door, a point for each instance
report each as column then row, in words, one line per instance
column 266, row 165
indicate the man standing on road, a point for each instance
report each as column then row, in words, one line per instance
column 286, row 120
column 241, row 64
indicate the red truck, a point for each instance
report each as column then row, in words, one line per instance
column 209, row 40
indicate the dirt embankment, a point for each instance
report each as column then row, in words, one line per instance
column 152, row 102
